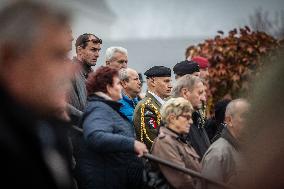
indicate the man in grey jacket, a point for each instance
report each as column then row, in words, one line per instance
column 88, row 47
column 221, row 160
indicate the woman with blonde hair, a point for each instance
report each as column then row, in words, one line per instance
column 171, row 144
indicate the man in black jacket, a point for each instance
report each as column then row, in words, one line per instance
column 34, row 81
column 191, row 88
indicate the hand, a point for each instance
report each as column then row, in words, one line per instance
column 140, row 148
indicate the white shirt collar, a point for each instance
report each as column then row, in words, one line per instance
column 160, row 100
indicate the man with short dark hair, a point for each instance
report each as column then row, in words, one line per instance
column 88, row 47
column 147, row 118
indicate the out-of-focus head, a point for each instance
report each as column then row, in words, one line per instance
column 203, row 64
column 116, row 57
column 176, row 114
column 190, row 52
column 130, row 82
column 33, row 66
column 204, row 95
column 159, row 81
column 191, row 88
column 68, row 37
column 262, row 139
column 88, row 47
column 235, row 116
column 106, row 80
column 186, row 67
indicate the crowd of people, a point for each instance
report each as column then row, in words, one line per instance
column 70, row 124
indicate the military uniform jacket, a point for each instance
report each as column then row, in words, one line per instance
column 147, row 119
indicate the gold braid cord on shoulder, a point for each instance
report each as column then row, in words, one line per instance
column 143, row 127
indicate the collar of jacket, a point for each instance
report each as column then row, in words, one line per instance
column 229, row 137
column 158, row 99
column 133, row 101
column 113, row 104
column 174, row 134
column 86, row 69
column 196, row 118
column 149, row 95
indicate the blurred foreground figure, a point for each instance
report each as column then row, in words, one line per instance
column 34, row 81
column 222, row 159
column 264, row 144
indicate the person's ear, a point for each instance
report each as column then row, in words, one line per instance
column 152, row 81
column 184, row 92
column 228, row 121
column 107, row 63
column 123, row 84
column 108, row 88
column 171, row 117
column 79, row 50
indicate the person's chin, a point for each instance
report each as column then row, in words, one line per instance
column 92, row 63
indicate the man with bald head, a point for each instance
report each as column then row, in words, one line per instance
column 131, row 88
column 147, row 118
column 220, row 162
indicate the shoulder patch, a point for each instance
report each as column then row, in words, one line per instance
column 152, row 123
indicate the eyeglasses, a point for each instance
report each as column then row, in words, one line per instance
column 188, row 117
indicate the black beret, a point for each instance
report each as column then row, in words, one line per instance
column 158, row 71
column 186, row 67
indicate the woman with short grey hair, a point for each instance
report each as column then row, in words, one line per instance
column 172, row 146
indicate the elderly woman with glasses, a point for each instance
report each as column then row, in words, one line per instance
column 108, row 160
column 172, row 146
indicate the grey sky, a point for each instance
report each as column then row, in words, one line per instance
column 182, row 18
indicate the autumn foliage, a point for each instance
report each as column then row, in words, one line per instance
column 234, row 60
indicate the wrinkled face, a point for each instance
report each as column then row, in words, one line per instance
column 195, row 96
column 114, row 91
column 118, row 61
column 204, row 74
column 133, row 85
column 90, row 53
column 182, row 123
column 43, row 74
column 163, row 86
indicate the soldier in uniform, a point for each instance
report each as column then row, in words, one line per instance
column 186, row 67
column 147, row 118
